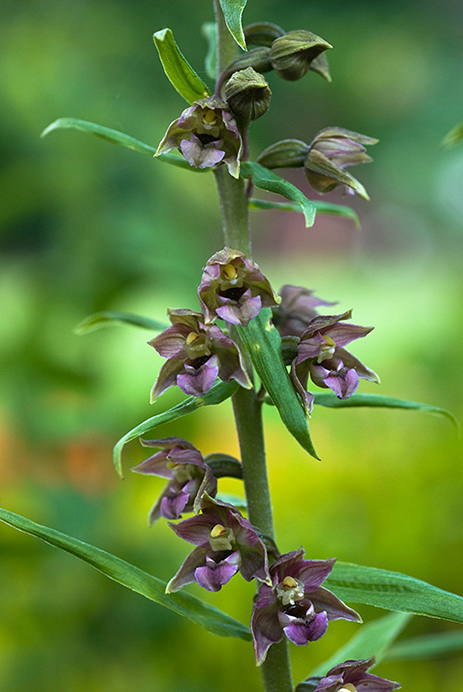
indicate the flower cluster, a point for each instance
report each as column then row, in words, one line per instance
column 352, row 676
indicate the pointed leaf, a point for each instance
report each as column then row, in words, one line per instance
column 321, row 208
column 372, row 639
column 112, row 319
column 265, row 179
column 393, row 591
column 179, row 72
column 264, row 346
column 133, row 578
column 380, row 401
column 218, row 393
column 427, row 646
column 232, row 11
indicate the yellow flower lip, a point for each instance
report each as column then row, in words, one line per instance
column 218, row 531
column 348, row 687
column 192, row 336
column 230, row 271
column 210, row 117
column 289, row 583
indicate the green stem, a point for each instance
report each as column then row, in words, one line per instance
column 276, row 670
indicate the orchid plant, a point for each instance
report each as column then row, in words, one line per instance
column 257, row 346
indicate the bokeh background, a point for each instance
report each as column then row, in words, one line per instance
column 86, row 226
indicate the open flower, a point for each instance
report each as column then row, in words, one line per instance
column 197, row 354
column 206, row 134
column 295, row 605
column 321, row 354
column 189, row 477
column 297, row 308
column 234, row 288
column 226, row 543
column 332, row 149
column 351, row 676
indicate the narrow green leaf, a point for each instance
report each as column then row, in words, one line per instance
column 426, row 646
column 232, row 11
column 371, row 639
column 267, row 180
column 133, row 578
column 179, row 72
column 380, row 401
column 209, row 31
column 393, row 591
column 321, row 208
column 113, row 319
column 218, row 393
column 454, row 137
column 264, row 346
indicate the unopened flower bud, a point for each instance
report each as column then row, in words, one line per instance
column 262, row 33
column 287, row 153
column 291, row 55
column 248, row 94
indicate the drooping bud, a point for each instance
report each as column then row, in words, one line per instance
column 248, row 94
column 258, row 58
column 291, row 55
column 262, row 33
column 287, row 153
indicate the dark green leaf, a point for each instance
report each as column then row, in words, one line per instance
column 267, row 180
column 380, row 401
column 179, row 72
column 372, row 639
column 112, row 319
column 218, row 393
column 393, row 591
column 263, row 343
column 209, row 31
column 321, row 208
column 427, row 646
column 232, row 11
column 133, row 578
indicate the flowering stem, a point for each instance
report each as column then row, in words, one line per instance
column 276, row 671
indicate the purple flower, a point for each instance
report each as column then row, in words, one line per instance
column 295, row 605
column 197, row 354
column 321, row 354
column 351, row 676
column 226, row 543
column 189, row 477
column 206, row 134
column 332, row 149
column 297, row 308
column 233, row 288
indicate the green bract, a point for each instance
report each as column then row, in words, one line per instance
column 179, row 72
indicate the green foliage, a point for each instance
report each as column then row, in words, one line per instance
column 113, row 319
column 320, row 207
column 232, row 11
column 179, row 72
column 428, row 646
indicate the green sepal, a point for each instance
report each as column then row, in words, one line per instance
column 393, row 591
column 321, row 208
column 426, row 646
column 372, row 639
column 263, row 344
column 209, row 31
column 218, row 393
column 178, row 70
column 133, row 578
column 380, row 401
column 98, row 320
column 232, row 12
column 267, row 180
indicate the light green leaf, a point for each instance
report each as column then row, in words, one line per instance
column 321, row 208
column 267, row 180
column 380, row 401
column 209, row 31
column 454, row 137
column 426, row 646
column 232, row 11
column 263, row 343
column 116, row 137
column 133, row 578
column 112, row 319
column 393, row 591
column 218, row 393
column 179, row 72
column 372, row 639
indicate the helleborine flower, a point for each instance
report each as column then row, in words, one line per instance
column 189, row 477
column 292, row 55
column 297, row 308
column 332, row 149
column 321, row 354
column 206, row 134
column 248, row 94
column 233, row 288
column 296, row 605
column 351, row 676
column 197, row 354
column 226, row 543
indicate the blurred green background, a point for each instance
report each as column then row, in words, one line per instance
column 86, row 226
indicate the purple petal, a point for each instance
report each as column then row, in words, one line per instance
column 170, row 343
column 186, row 573
column 200, row 156
column 197, row 382
column 167, row 378
column 325, row 600
column 196, row 529
column 266, row 630
column 343, row 383
column 214, row 575
column 300, row 632
column 173, row 506
column 242, row 311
